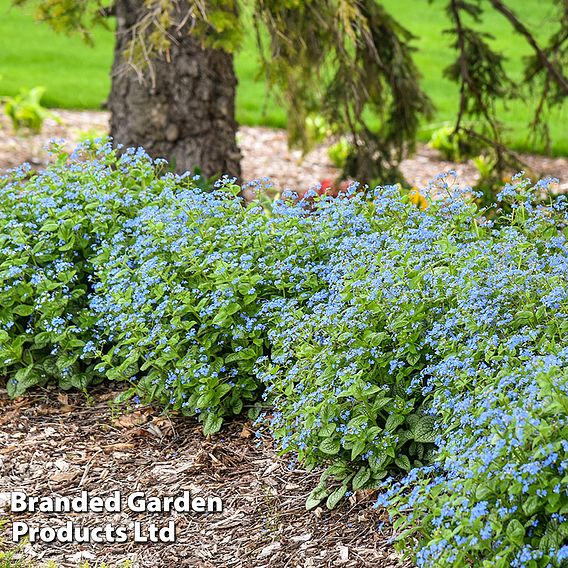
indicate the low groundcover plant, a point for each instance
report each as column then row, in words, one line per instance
column 418, row 349
column 52, row 225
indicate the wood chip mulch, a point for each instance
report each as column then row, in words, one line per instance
column 52, row 443
column 265, row 154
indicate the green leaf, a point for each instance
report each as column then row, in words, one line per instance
column 66, row 360
column 524, row 315
column 380, row 403
column 413, row 358
column 482, row 492
column 424, row 430
column 531, row 504
column 376, row 338
column 13, row 388
column 212, row 424
column 204, row 400
column 403, row 462
column 312, row 502
column 563, row 530
column 50, row 227
column 393, row 421
column 361, row 477
column 24, row 378
column 23, row 310
column 358, row 448
column 237, row 407
column 404, row 436
column 318, row 494
column 378, row 460
column 223, row 389
column 327, row 430
column 232, row 308
column 338, row 470
column 242, row 355
column 220, row 318
column 42, row 339
column 79, row 381
column 516, row 532
column 253, row 412
column 336, row 497
column 330, row 446
column 412, row 420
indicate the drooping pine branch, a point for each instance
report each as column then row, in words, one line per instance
column 479, row 71
column 483, row 80
column 550, row 92
column 346, row 59
column 75, row 16
column 543, row 57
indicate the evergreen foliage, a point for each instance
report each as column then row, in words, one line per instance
column 344, row 60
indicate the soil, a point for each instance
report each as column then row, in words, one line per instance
column 265, row 154
column 52, row 443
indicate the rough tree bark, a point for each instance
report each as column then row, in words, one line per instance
column 183, row 107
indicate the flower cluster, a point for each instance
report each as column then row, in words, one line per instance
column 373, row 333
column 51, row 226
column 497, row 492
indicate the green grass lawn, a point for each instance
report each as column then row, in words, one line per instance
column 77, row 76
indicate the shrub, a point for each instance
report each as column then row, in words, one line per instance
column 183, row 293
column 339, row 152
column 454, row 146
column 177, row 302
column 51, row 225
column 496, row 494
column 382, row 333
column 340, row 370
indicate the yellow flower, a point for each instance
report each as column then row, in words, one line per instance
column 418, row 199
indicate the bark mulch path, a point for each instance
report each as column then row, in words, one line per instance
column 61, row 444
column 265, row 154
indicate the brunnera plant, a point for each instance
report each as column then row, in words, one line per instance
column 375, row 334
column 52, row 224
column 496, row 492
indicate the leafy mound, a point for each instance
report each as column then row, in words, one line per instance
column 367, row 334
column 498, row 384
column 51, row 226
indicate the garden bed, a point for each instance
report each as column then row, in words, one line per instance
column 61, row 444
column 412, row 343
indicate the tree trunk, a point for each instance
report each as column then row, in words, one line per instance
column 181, row 109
